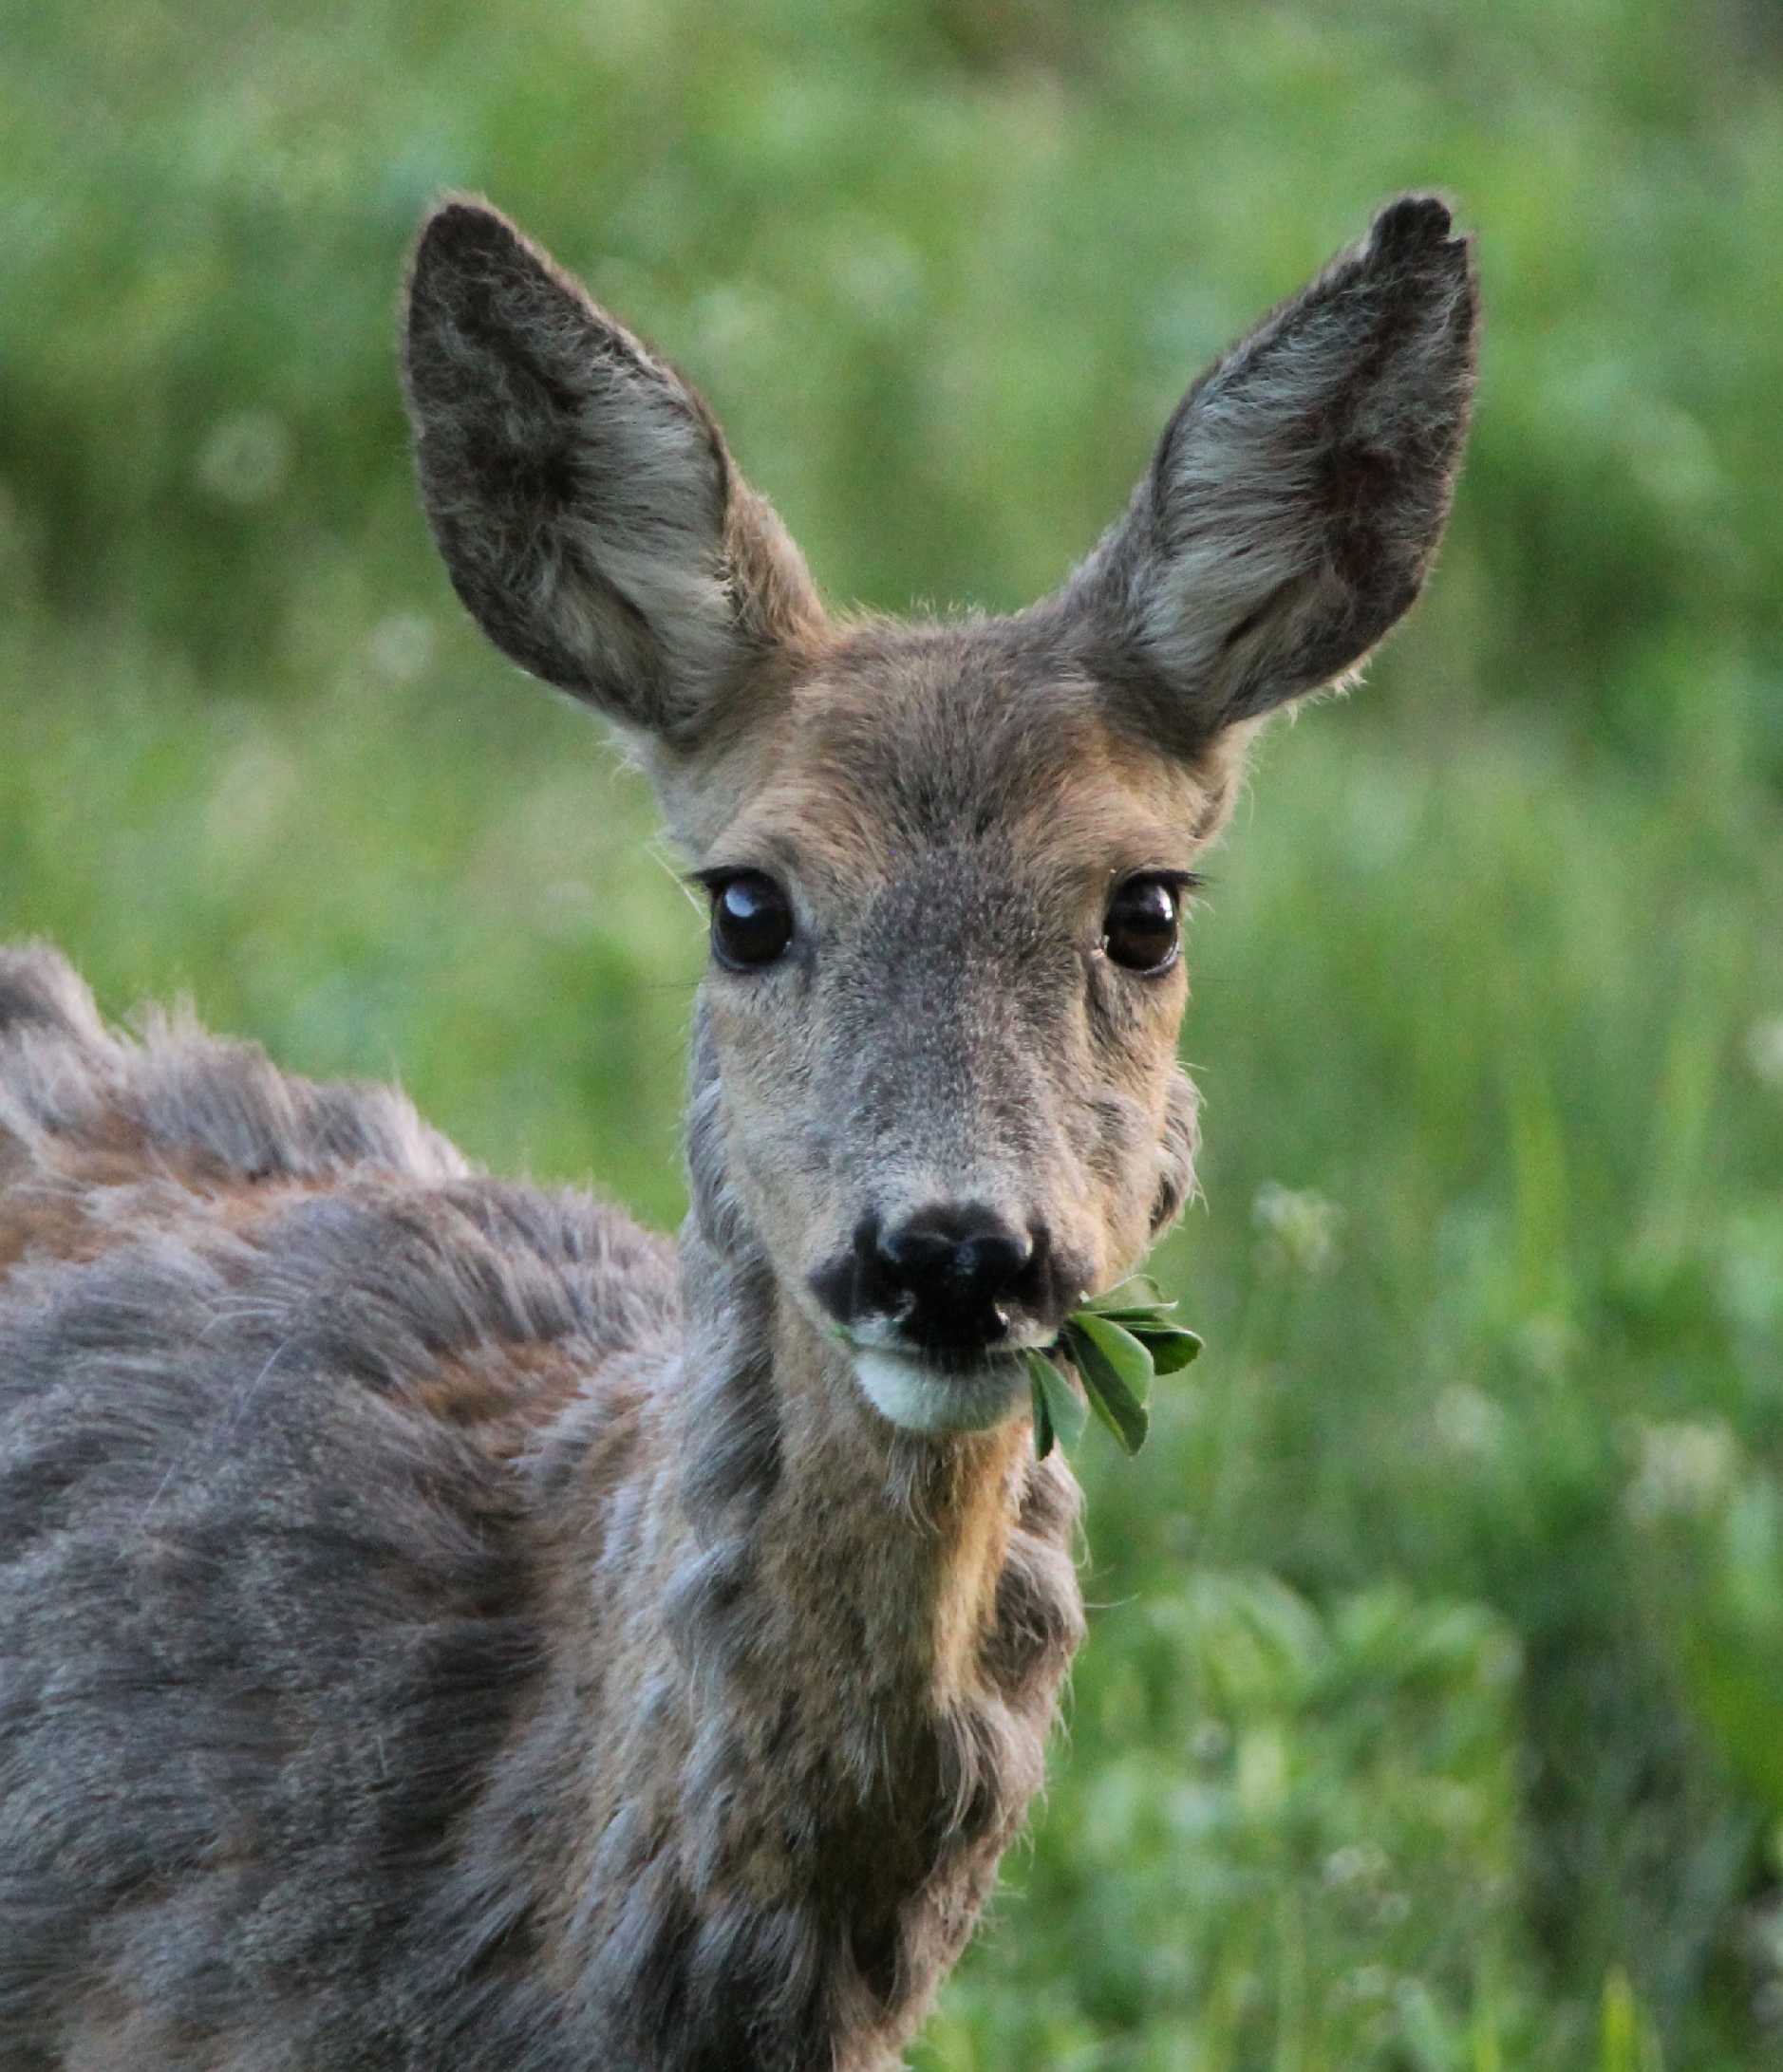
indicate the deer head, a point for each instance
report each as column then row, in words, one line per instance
column 946, row 861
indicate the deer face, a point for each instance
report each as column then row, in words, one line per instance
column 945, row 862
column 944, row 995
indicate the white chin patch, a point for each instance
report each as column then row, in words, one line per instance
column 918, row 1397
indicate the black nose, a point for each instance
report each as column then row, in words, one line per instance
column 948, row 1274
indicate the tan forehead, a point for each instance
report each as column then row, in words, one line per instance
column 933, row 744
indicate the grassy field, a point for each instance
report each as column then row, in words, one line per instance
column 1432, row 1719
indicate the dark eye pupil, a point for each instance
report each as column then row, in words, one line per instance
column 1140, row 930
column 751, row 920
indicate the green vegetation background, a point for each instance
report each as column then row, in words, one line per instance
column 1433, row 1713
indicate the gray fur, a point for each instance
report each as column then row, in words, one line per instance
column 577, row 493
column 286, row 1739
column 578, row 488
column 441, row 1625
column 1297, row 496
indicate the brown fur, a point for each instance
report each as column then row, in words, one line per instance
column 100, row 1187
column 450, row 1630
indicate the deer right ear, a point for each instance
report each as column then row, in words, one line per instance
column 578, row 488
column 1297, row 496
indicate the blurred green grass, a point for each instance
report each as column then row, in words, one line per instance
column 1432, row 1709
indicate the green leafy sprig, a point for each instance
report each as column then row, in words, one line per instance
column 1115, row 1344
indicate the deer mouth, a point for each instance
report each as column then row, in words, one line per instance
column 919, row 1393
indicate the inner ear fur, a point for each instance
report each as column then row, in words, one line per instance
column 1296, row 499
column 579, row 490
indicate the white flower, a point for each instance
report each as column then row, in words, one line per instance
column 245, row 459
column 1686, row 1469
column 400, row 648
column 1300, row 1225
column 1468, row 1422
column 1764, row 1050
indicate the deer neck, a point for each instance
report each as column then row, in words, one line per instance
column 834, row 1553
column 849, row 1560
column 821, row 1657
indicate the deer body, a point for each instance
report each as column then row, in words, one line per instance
column 503, row 1684
column 441, row 1624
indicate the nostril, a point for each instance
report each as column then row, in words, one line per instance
column 990, row 1264
column 952, row 1267
column 915, row 1252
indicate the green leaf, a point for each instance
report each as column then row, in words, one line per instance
column 1171, row 1347
column 1116, row 1344
column 1116, row 1373
column 1118, row 1348
column 1043, row 1433
column 1136, row 1297
column 1060, row 1412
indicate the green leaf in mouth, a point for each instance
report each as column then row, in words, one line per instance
column 1116, row 1344
column 1171, row 1350
column 1115, row 1370
column 1060, row 1412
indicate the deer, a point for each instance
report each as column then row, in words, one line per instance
column 445, row 1624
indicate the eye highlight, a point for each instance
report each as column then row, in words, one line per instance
column 752, row 920
column 1143, row 928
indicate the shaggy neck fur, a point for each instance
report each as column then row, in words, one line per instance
column 865, row 1636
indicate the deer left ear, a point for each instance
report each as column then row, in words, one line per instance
column 581, row 494
column 1297, row 496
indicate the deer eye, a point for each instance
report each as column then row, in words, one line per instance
column 1140, row 930
column 752, row 921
